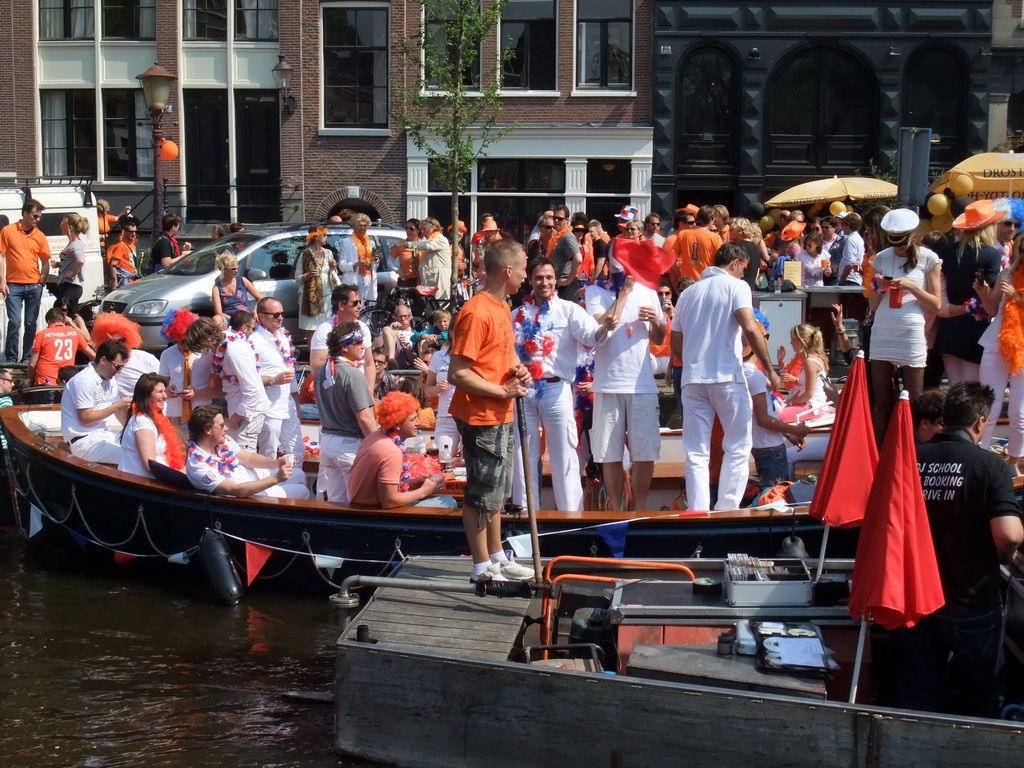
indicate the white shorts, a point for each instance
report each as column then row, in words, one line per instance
column 621, row 417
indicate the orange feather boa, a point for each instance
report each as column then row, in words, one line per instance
column 1011, row 334
column 174, row 449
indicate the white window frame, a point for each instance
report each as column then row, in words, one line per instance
column 324, row 130
column 602, row 92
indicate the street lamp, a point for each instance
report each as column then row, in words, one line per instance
column 282, row 73
column 157, row 83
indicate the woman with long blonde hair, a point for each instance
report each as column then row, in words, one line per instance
column 807, row 383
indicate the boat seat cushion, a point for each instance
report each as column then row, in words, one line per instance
column 165, row 474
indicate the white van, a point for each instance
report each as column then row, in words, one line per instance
column 60, row 200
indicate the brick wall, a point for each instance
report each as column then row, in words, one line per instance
column 324, row 164
column 18, row 92
column 167, row 37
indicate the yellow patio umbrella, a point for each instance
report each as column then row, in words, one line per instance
column 835, row 188
column 994, row 174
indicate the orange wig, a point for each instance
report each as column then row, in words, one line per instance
column 112, row 324
column 395, row 408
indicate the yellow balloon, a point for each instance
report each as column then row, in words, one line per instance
column 938, row 205
column 962, row 185
column 766, row 223
column 836, row 208
column 775, row 213
column 923, row 228
column 942, row 223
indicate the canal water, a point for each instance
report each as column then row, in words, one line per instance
column 104, row 668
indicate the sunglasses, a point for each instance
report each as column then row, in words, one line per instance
column 275, row 315
column 10, row 380
column 1012, row 223
column 118, row 367
column 547, row 226
column 560, row 218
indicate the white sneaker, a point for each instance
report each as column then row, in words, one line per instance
column 493, row 573
column 513, row 571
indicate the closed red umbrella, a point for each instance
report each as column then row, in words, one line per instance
column 844, row 482
column 896, row 577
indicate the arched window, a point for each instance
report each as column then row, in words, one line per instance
column 706, row 117
column 821, row 115
column 936, row 98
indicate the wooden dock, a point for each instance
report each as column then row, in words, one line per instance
column 450, row 623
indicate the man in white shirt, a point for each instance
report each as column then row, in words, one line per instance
column 851, row 266
column 346, row 304
column 548, row 332
column 625, row 393
column 216, row 464
column 710, row 318
column 90, row 397
column 278, row 368
column 237, row 363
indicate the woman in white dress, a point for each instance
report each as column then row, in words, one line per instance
column 149, row 435
column 906, row 286
column 316, row 274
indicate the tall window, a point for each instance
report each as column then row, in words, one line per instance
column 69, row 133
column 440, row 32
column 355, row 66
column 127, row 135
column 206, row 20
column 65, row 19
column 707, row 110
column 516, row 192
column 256, row 20
column 129, row 19
column 604, row 44
column 935, row 96
column 528, row 30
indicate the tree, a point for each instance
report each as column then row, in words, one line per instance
column 451, row 108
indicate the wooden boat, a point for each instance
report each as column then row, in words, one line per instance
column 437, row 679
column 101, row 509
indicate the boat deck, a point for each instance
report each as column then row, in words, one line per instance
column 444, row 622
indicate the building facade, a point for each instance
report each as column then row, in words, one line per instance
column 655, row 103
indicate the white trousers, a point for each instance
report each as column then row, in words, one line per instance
column 337, row 453
column 554, row 413
column 730, row 401
column 102, row 446
column 293, row 488
column 286, row 433
column 996, row 374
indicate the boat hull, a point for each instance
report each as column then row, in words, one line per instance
column 99, row 509
column 426, row 710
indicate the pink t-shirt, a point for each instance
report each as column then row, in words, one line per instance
column 377, row 460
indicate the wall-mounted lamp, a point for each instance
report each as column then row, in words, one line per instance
column 282, row 72
column 894, row 51
column 753, row 55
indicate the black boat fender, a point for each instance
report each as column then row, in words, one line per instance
column 220, row 568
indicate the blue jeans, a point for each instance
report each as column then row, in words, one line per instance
column 27, row 295
column 772, row 465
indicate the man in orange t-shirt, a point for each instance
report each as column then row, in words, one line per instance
column 695, row 248
column 24, row 264
column 54, row 347
column 488, row 377
column 121, row 256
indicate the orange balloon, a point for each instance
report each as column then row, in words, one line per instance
column 168, row 150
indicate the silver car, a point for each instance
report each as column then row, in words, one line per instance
column 266, row 255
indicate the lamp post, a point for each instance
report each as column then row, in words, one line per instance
column 282, row 73
column 157, row 83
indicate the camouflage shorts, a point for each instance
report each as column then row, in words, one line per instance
column 487, row 451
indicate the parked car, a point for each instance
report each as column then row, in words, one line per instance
column 266, row 255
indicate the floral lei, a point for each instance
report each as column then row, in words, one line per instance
column 403, row 483
column 287, row 354
column 224, row 462
column 217, row 366
column 534, row 340
column 365, row 253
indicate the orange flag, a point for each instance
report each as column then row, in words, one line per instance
column 256, row 556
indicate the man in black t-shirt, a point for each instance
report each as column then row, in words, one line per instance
column 976, row 524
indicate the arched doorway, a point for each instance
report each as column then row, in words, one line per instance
column 821, row 117
column 706, row 113
column 356, row 205
column 936, row 98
